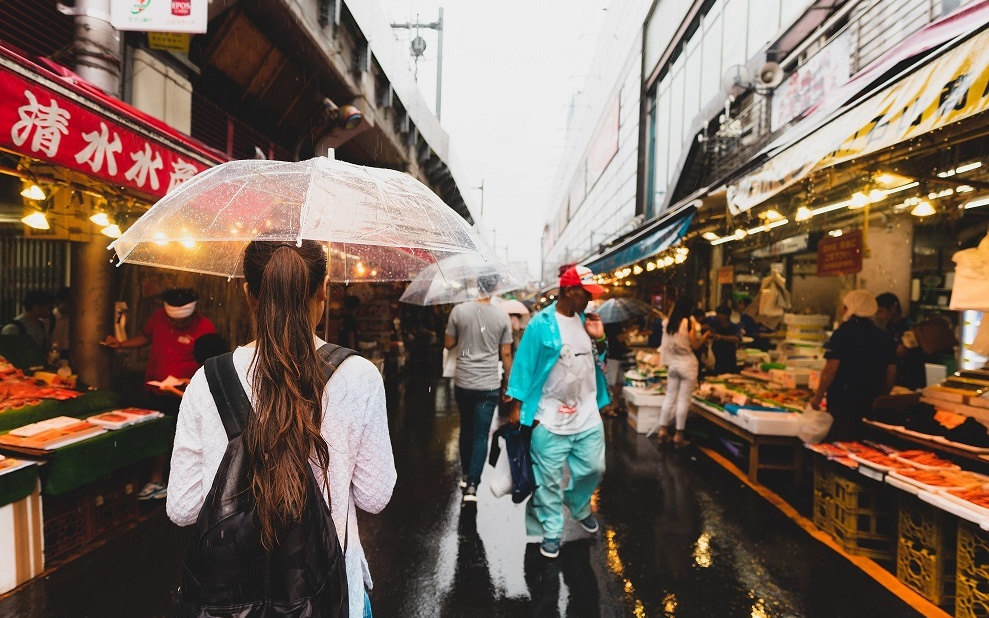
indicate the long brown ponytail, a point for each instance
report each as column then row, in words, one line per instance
column 283, row 435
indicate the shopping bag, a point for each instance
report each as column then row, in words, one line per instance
column 814, row 425
column 501, row 480
column 518, row 458
column 450, row 362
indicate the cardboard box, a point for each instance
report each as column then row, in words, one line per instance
column 21, row 541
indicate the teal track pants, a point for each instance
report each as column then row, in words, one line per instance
column 583, row 453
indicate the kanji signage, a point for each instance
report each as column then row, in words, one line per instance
column 41, row 124
column 840, row 256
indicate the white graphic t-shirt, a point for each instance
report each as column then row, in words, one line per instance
column 569, row 401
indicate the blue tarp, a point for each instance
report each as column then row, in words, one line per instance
column 653, row 238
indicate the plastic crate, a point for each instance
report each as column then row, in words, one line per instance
column 853, row 494
column 114, row 503
column 927, row 527
column 875, row 546
column 822, row 477
column 862, row 521
column 931, row 574
column 68, row 523
column 820, row 512
column 972, row 585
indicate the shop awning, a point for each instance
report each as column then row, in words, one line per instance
column 947, row 85
column 49, row 113
column 645, row 242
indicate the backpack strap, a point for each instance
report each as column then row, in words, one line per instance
column 232, row 402
column 333, row 355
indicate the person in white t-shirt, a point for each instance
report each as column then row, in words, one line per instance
column 559, row 385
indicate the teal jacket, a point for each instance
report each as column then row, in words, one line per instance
column 538, row 351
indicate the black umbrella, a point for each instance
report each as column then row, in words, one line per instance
column 616, row 310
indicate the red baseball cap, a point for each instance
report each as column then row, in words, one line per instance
column 583, row 277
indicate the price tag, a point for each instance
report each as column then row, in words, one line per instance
column 871, row 473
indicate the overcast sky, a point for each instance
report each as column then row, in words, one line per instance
column 510, row 70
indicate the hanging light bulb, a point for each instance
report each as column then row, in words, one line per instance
column 709, row 236
column 37, row 220
column 740, row 233
column 772, row 215
column 650, row 266
column 923, row 209
column 858, row 200
column 680, row 258
column 100, row 219
column 619, row 274
column 34, row 192
column 668, row 260
column 112, row 230
column 803, row 214
column 626, row 271
column 876, row 195
column 636, row 270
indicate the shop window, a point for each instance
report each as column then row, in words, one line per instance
column 711, row 58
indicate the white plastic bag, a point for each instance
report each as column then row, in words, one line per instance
column 501, row 480
column 450, row 362
column 814, row 425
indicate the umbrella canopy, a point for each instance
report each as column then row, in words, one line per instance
column 378, row 224
column 510, row 306
column 456, row 278
column 620, row 309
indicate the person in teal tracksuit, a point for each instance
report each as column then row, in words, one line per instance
column 559, row 385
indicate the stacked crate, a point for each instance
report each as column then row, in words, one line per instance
column 860, row 515
column 925, row 553
column 972, row 584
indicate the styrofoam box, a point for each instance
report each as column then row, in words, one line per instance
column 770, row 423
column 643, row 418
column 643, row 396
column 789, row 378
column 795, row 319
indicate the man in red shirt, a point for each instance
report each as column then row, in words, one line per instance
column 171, row 332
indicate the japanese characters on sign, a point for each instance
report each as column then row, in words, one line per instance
column 840, row 256
column 40, row 124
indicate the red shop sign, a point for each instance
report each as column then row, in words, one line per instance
column 840, row 256
column 38, row 123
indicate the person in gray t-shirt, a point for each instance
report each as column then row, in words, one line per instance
column 479, row 333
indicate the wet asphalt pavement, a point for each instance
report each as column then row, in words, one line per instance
column 680, row 537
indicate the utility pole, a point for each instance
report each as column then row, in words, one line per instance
column 482, row 196
column 418, row 46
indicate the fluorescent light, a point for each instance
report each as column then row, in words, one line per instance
column 100, row 219
column 923, row 209
column 112, row 230
column 37, row 220
column 804, row 213
column 885, row 178
column 877, row 195
column 964, row 189
column 709, row 236
column 858, row 200
column 909, row 185
column 834, row 233
column 961, row 169
column 34, row 192
column 982, row 201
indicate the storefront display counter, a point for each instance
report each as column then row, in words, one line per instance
column 86, row 404
column 756, row 441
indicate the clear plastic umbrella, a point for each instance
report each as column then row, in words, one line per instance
column 459, row 278
column 510, row 305
column 620, row 309
column 378, row 224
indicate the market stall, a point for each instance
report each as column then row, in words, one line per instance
column 67, row 466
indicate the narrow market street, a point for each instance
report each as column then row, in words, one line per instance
column 681, row 536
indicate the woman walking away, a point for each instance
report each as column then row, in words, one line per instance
column 277, row 444
column 680, row 340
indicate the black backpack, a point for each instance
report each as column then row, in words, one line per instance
column 227, row 572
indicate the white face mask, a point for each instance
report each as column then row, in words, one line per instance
column 180, row 313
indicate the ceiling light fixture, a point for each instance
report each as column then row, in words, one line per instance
column 101, row 219
column 34, row 192
column 636, row 270
column 709, row 236
column 37, row 220
column 961, row 169
column 112, row 230
column 803, row 214
column 885, row 179
column 876, row 195
column 923, row 209
column 858, row 200
column 982, row 201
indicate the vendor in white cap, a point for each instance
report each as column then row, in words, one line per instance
column 861, row 366
column 171, row 332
